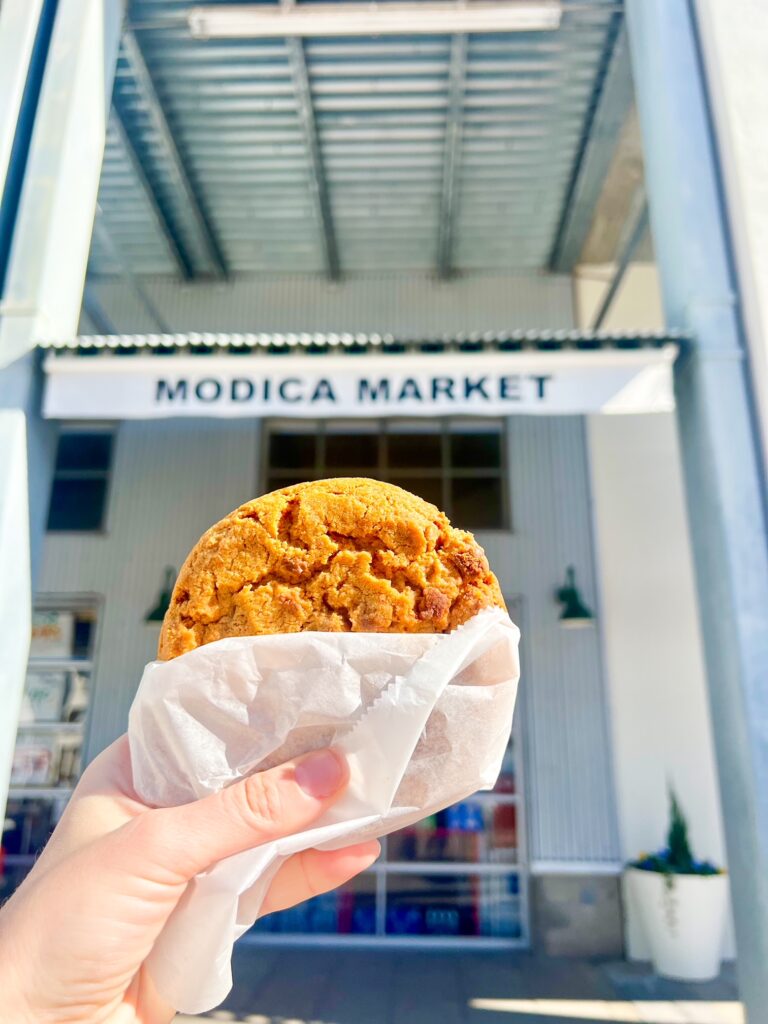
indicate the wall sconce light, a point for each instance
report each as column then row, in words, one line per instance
column 575, row 614
column 157, row 614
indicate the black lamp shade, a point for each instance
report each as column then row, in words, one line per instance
column 575, row 614
column 157, row 614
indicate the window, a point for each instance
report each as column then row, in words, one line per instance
column 80, row 479
column 457, row 465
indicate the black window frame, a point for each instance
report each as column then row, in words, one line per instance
column 272, row 477
column 83, row 475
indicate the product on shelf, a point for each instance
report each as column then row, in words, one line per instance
column 33, row 762
column 43, row 697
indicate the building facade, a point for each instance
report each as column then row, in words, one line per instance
column 447, row 201
column 538, row 862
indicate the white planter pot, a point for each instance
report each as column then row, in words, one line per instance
column 684, row 924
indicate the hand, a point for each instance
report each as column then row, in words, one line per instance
column 74, row 937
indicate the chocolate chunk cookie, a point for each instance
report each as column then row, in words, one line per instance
column 331, row 555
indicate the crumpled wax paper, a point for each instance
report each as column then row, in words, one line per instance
column 423, row 719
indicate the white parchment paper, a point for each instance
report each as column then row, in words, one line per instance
column 423, row 719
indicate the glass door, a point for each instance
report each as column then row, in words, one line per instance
column 456, row 878
column 458, row 875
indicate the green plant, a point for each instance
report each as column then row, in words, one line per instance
column 676, row 858
column 680, row 857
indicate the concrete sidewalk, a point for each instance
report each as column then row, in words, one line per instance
column 345, row 986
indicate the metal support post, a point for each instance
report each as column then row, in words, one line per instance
column 632, row 234
column 725, row 489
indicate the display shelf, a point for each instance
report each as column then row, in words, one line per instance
column 431, row 943
column 39, row 792
column 426, row 867
column 51, row 727
column 41, row 664
column 485, row 796
column 50, row 736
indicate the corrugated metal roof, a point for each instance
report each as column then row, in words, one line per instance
column 501, row 341
column 382, row 110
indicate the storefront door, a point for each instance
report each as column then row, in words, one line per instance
column 458, row 877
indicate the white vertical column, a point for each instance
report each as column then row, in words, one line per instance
column 15, row 589
column 52, row 237
column 44, row 284
column 18, row 27
column 735, row 42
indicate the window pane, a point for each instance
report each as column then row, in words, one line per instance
column 428, row 488
column 476, row 503
column 473, row 831
column 83, row 450
column 350, row 910
column 77, row 504
column 507, row 780
column 34, row 820
column 85, row 627
column 407, row 451
column 476, row 451
column 276, row 483
column 292, row 451
column 453, row 905
column 350, row 450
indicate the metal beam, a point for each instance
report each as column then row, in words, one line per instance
column 609, row 113
column 102, row 233
column 298, row 63
column 722, row 456
column 632, row 233
column 98, row 317
column 137, row 62
column 453, row 135
column 161, row 218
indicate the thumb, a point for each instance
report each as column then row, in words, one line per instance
column 174, row 844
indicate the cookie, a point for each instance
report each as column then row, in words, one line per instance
column 330, row 555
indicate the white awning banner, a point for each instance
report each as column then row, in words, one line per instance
column 485, row 383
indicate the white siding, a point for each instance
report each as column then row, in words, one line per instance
column 660, row 722
column 571, row 813
column 409, row 306
column 172, row 479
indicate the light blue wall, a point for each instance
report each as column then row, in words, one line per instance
column 170, row 482
column 20, row 388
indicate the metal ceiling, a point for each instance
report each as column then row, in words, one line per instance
column 345, row 156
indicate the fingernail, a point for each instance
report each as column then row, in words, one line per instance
column 321, row 774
